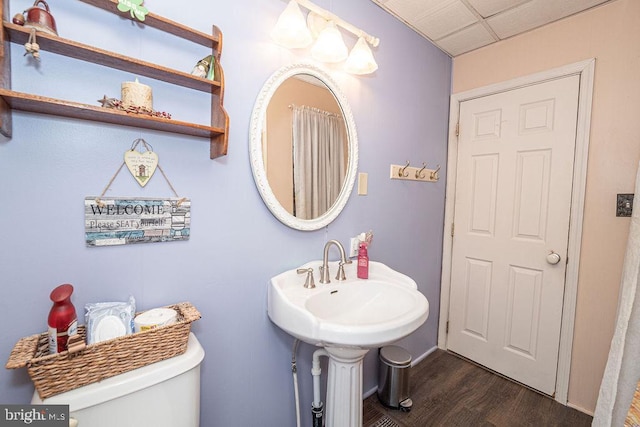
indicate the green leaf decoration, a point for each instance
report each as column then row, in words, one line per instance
column 140, row 13
column 134, row 7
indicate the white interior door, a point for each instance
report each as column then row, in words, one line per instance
column 512, row 211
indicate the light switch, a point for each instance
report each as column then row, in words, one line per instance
column 363, row 177
column 624, row 205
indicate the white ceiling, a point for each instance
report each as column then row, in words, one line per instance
column 459, row 26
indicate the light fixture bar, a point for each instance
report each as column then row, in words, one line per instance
column 373, row 41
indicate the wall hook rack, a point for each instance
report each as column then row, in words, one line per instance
column 410, row 173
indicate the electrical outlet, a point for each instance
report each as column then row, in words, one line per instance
column 353, row 249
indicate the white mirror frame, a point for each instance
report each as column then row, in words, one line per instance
column 256, row 153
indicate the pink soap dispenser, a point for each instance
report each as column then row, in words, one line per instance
column 363, row 261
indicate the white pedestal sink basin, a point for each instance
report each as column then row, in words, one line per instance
column 347, row 318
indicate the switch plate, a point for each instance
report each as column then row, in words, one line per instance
column 363, row 184
column 624, row 205
column 353, row 248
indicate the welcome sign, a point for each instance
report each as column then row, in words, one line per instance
column 114, row 221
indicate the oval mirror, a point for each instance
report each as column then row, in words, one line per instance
column 303, row 147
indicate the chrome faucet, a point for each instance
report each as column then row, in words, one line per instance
column 324, row 268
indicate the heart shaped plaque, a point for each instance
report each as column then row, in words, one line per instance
column 141, row 165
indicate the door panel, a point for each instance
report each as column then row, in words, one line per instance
column 512, row 205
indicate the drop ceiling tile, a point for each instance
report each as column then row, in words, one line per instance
column 444, row 21
column 466, row 40
column 411, row 9
column 488, row 8
column 535, row 14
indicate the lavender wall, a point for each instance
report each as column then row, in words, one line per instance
column 51, row 164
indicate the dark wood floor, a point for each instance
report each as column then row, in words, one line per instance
column 449, row 391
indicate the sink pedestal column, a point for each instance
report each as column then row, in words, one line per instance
column 344, row 387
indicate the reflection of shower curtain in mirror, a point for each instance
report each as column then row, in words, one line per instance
column 318, row 160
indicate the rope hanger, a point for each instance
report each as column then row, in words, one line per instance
column 148, row 147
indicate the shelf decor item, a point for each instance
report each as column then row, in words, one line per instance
column 134, row 7
column 40, row 19
column 205, row 68
column 135, row 94
column 116, row 104
column 142, row 165
column 31, row 46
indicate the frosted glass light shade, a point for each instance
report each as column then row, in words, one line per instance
column 361, row 59
column 330, row 46
column 291, row 29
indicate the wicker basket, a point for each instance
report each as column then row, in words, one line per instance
column 633, row 416
column 56, row 373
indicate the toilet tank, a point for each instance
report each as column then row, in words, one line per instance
column 163, row 394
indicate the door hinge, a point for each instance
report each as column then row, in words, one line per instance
column 446, row 329
column 452, row 228
column 458, row 129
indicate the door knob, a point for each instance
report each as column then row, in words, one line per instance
column 553, row 258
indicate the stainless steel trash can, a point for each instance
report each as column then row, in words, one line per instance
column 393, row 378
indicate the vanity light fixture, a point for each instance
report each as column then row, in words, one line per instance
column 292, row 32
column 291, row 29
column 360, row 60
column 330, row 47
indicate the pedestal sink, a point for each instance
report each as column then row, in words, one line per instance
column 347, row 318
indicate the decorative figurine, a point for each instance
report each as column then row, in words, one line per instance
column 40, row 19
column 205, row 68
column 109, row 102
column 201, row 68
column 134, row 7
column 18, row 19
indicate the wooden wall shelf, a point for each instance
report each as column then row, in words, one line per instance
column 40, row 104
column 217, row 132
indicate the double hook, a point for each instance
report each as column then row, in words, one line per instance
column 402, row 171
column 419, row 174
column 434, row 174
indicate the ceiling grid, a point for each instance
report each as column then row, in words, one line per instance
column 460, row 26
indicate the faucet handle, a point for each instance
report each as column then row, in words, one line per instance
column 324, row 274
column 309, row 283
column 340, row 275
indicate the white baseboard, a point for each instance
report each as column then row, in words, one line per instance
column 578, row 408
column 423, row 356
column 370, row 392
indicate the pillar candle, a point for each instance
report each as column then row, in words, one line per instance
column 136, row 94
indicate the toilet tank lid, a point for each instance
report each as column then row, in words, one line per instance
column 129, row 382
